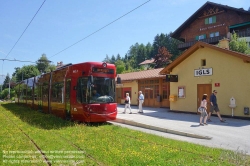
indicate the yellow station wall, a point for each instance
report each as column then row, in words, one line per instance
column 230, row 71
column 134, row 92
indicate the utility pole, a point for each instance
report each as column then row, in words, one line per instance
column 9, row 90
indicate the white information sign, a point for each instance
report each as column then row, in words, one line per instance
column 203, row 72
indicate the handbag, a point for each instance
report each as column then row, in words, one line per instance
column 126, row 102
column 200, row 109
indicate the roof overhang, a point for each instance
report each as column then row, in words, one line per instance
column 239, row 25
column 200, row 45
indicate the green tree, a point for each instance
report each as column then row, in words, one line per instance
column 120, row 66
column 4, row 93
column 26, row 72
column 149, row 49
column 113, row 59
column 43, row 64
column 166, row 41
column 239, row 44
column 141, row 54
column 6, row 82
column 50, row 68
column 118, row 57
column 107, row 59
column 159, row 41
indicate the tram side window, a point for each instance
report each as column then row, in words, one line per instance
column 29, row 93
column 45, row 92
column 82, row 90
column 67, row 93
column 57, row 93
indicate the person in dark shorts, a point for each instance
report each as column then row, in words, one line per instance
column 214, row 107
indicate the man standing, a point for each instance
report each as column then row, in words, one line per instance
column 214, row 107
column 141, row 100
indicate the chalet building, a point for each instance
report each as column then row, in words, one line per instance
column 147, row 63
column 203, row 68
column 150, row 82
column 211, row 23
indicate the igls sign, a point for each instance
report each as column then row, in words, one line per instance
column 203, row 72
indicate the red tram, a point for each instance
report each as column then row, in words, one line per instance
column 82, row 92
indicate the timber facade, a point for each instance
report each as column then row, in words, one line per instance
column 211, row 23
column 153, row 86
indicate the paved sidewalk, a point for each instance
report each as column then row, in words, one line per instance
column 233, row 135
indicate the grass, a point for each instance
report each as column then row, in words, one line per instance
column 96, row 144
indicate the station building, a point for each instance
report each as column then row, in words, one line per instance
column 150, row 82
column 203, row 68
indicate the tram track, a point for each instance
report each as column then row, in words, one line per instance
column 111, row 133
column 45, row 157
column 30, row 139
column 80, row 149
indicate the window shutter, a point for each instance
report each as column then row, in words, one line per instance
column 214, row 19
column 206, row 20
column 204, row 36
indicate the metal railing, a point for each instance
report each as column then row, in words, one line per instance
column 245, row 33
column 210, row 40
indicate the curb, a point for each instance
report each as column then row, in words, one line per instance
column 165, row 130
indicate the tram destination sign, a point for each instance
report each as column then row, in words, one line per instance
column 203, row 72
column 103, row 70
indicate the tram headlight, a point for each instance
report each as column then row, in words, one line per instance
column 90, row 110
column 104, row 65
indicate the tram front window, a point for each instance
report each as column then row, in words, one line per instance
column 101, row 90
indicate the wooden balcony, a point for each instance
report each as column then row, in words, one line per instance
column 212, row 40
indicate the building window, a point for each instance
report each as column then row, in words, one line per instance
column 210, row 20
column 203, row 62
column 214, row 34
column 156, row 91
column 150, row 89
column 165, row 91
column 200, row 37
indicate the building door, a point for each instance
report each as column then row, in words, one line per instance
column 149, row 96
column 204, row 89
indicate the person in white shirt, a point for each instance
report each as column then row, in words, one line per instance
column 203, row 110
column 127, row 104
column 141, row 100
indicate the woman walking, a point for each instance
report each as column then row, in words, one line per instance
column 127, row 104
column 203, row 110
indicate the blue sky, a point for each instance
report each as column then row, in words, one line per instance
column 61, row 23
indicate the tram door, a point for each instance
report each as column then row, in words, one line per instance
column 67, row 98
column 204, row 89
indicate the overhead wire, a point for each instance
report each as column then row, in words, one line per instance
column 25, row 29
column 71, row 44
column 16, row 60
column 99, row 29
column 23, row 33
